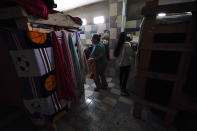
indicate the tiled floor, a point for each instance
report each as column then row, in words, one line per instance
column 105, row 111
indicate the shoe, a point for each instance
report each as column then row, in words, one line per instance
column 105, row 88
column 96, row 89
column 124, row 93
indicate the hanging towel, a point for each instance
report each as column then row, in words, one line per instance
column 82, row 59
column 92, row 64
column 68, row 56
column 76, row 63
column 64, row 82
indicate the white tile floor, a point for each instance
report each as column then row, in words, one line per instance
column 105, row 110
column 109, row 101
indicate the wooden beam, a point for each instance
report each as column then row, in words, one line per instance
column 168, row 47
column 22, row 23
column 157, row 75
column 41, row 30
column 153, row 105
column 12, row 13
column 173, row 8
column 170, row 28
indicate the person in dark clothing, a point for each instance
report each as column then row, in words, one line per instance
column 125, row 57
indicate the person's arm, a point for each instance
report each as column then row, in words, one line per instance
column 96, row 53
column 92, row 55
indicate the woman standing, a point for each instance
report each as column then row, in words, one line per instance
column 98, row 56
column 125, row 56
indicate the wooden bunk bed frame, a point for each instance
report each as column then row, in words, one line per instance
column 147, row 46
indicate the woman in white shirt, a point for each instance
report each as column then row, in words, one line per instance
column 125, row 57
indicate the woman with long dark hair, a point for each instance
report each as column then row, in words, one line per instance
column 125, row 57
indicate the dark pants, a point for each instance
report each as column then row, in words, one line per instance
column 100, row 79
column 124, row 75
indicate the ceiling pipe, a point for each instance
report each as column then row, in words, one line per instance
column 123, row 23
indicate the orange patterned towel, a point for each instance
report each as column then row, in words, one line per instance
column 92, row 63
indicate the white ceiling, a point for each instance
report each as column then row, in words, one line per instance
column 64, row 5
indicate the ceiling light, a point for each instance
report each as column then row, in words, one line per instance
column 65, row 5
column 161, row 14
column 99, row 20
column 84, row 21
column 190, row 13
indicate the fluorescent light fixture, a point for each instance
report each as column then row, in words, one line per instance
column 65, row 5
column 84, row 21
column 161, row 14
column 99, row 20
column 190, row 13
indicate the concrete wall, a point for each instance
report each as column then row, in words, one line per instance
column 90, row 11
column 134, row 9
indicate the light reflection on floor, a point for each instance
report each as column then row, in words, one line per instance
column 105, row 111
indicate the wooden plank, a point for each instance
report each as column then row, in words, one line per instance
column 169, row 47
column 186, row 104
column 147, row 31
column 147, row 45
column 144, row 59
column 12, row 13
column 41, row 30
column 170, row 28
column 141, row 82
column 190, row 28
column 156, row 75
column 22, row 23
column 173, row 8
column 153, row 105
column 178, row 86
column 147, row 38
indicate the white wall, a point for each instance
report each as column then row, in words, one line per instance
column 90, row 11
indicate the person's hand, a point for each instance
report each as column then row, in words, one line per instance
column 90, row 60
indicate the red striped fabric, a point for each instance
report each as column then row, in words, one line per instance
column 68, row 57
column 64, row 83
